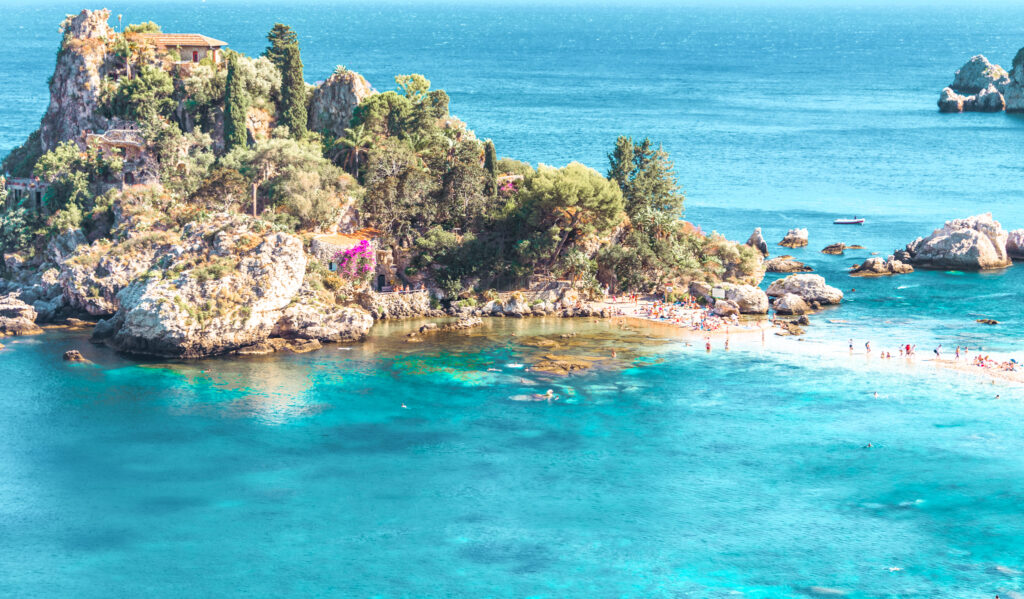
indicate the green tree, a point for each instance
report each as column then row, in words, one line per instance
column 293, row 92
column 143, row 98
column 280, row 37
column 398, row 192
column 490, row 165
column 569, row 203
column 414, row 87
column 353, row 148
column 144, row 27
column 647, row 179
column 236, row 104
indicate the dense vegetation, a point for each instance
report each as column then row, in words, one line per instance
column 459, row 215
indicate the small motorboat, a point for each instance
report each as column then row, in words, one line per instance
column 848, row 221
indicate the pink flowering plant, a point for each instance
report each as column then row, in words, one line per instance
column 357, row 263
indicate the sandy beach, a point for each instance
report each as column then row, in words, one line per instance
column 758, row 334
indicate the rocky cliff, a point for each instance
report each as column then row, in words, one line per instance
column 82, row 62
column 334, row 100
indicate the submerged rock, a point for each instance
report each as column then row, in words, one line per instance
column 795, row 238
column 973, row 243
column 810, row 288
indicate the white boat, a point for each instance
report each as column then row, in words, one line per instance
column 848, row 221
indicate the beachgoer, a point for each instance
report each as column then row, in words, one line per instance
column 707, row 344
column 876, row 394
column 851, row 346
column 957, row 353
column 867, row 346
column 938, row 352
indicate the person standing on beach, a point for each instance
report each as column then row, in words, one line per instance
column 867, row 346
column 957, row 354
column 938, row 352
column 851, row 346
column 707, row 344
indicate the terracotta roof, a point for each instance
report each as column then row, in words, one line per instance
column 172, row 40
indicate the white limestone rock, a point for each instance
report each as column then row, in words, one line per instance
column 810, row 288
column 795, row 238
column 973, row 243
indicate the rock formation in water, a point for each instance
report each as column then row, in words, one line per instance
column 1015, row 244
column 17, row 317
column 835, row 249
column 786, row 264
column 810, row 288
column 973, row 243
column 333, row 101
column 877, row 267
column 978, row 86
column 790, row 303
column 756, row 241
column 1014, row 94
column 795, row 238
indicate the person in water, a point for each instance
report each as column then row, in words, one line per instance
column 867, row 346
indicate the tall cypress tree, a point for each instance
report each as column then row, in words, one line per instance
column 490, row 165
column 293, row 92
column 280, row 37
column 236, row 104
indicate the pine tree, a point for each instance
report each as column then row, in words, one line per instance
column 280, row 37
column 293, row 92
column 236, row 104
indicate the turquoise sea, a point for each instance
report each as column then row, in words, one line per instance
column 668, row 472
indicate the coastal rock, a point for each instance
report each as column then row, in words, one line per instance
column 810, row 288
column 973, row 243
column 700, row 290
column 77, row 81
column 17, row 317
column 791, row 303
column 333, row 101
column 977, row 74
column 212, row 308
column 1014, row 93
column 988, row 100
column 786, row 264
column 950, row 101
column 1015, row 244
column 835, row 249
column 877, row 267
column 74, row 355
column 309, row 318
column 757, row 242
column 726, row 308
column 748, row 299
column 795, row 238
column 63, row 246
column 393, row 306
column 303, row 346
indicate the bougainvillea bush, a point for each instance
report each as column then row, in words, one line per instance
column 357, row 263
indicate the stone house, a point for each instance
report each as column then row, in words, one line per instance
column 191, row 47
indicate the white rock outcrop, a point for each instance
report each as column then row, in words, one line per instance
column 1015, row 244
column 973, row 243
column 810, row 288
column 977, row 74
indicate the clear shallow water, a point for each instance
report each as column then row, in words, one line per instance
column 681, row 475
column 686, row 476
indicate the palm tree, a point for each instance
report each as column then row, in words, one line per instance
column 354, row 146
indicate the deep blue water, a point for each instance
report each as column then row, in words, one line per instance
column 684, row 475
